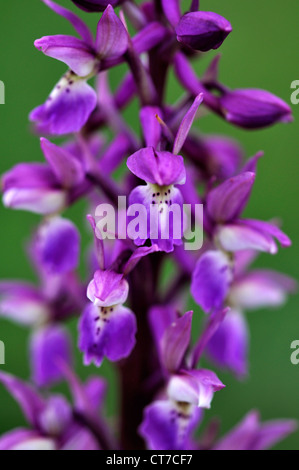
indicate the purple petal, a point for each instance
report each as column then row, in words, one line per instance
column 56, row 417
column 112, row 37
column 67, row 169
column 107, row 289
column 235, row 237
column 196, row 387
column 23, row 304
column 74, row 52
column 95, row 5
column 161, row 318
column 261, row 288
column 149, row 37
column 137, row 256
column 106, row 332
column 227, row 201
column 203, row 30
column 211, row 280
column 254, row 109
column 228, row 347
column 33, row 187
column 79, row 438
column 172, row 11
column 162, row 210
column 29, row 400
column 67, row 108
column 58, row 246
column 151, row 127
column 23, row 439
column 175, row 342
column 50, row 346
column 167, row 427
column 250, row 434
column 75, row 21
column 212, row 326
column 186, row 125
column 269, row 229
column 161, row 168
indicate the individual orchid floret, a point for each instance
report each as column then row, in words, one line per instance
column 72, row 101
column 107, row 328
column 95, row 5
column 52, row 424
column 57, row 246
column 168, row 424
column 256, row 289
column 225, row 204
column 251, row 434
column 203, row 30
column 254, row 108
column 43, row 188
column 162, row 171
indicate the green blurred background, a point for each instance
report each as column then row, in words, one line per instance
column 263, row 52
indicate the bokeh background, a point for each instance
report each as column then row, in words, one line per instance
column 263, row 52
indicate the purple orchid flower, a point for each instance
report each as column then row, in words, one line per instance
column 168, row 422
column 72, row 101
column 52, row 421
column 44, row 188
column 162, row 171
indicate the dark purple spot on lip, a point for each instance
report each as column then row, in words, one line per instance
column 158, row 194
column 153, row 203
column 154, row 195
column 71, row 82
column 68, row 90
column 97, row 319
column 169, row 191
column 58, row 87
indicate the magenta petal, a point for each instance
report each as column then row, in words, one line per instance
column 94, row 5
column 235, row 237
column 137, row 256
column 106, row 333
column 151, row 127
column 50, row 347
column 58, row 246
column 67, row 108
column 186, row 125
column 161, row 318
column 175, row 342
column 23, row 439
column 269, row 229
column 29, row 400
column 261, row 288
column 161, row 168
column 250, row 434
column 74, row 52
column 227, row 201
column 112, row 38
column 228, row 347
column 254, row 109
column 165, row 427
column 67, row 169
column 23, row 304
column 150, row 36
column 211, row 280
column 158, row 427
column 75, row 21
column 107, row 289
column 196, row 387
column 172, row 11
